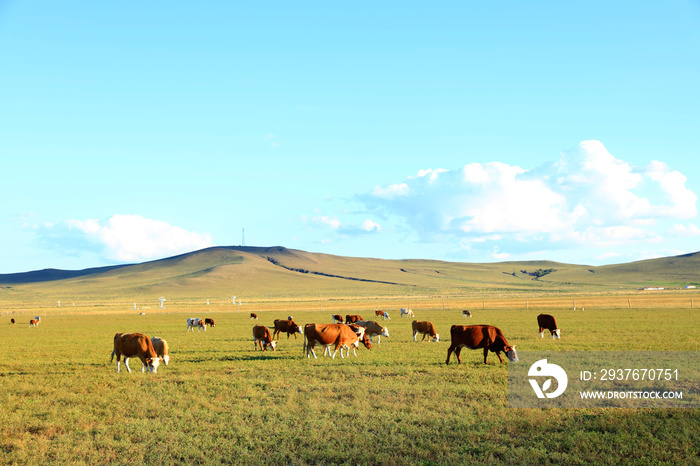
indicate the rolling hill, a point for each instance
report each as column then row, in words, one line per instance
column 277, row 273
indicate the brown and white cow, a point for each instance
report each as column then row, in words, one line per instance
column 406, row 312
column 253, row 316
column 373, row 329
column 548, row 322
column 337, row 319
column 161, row 348
column 132, row 345
column 262, row 338
column 466, row 313
column 488, row 337
column 33, row 323
column 352, row 318
column 341, row 335
column 288, row 326
column 210, row 322
column 426, row 328
column 196, row 322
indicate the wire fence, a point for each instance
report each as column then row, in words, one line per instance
column 641, row 300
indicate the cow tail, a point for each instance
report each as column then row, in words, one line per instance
column 303, row 348
column 111, row 357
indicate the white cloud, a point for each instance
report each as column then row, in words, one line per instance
column 391, row 191
column 323, row 220
column 124, row 238
column 587, row 197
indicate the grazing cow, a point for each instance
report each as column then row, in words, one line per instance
column 12, row 321
column 352, row 318
column 373, row 329
column 287, row 326
column 480, row 336
column 196, row 322
column 547, row 322
column 132, row 345
column 33, row 323
column 209, row 321
column 386, row 316
column 406, row 312
column 337, row 319
column 466, row 313
column 262, row 338
column 160, row 346
column 379, row 313
column 253, row 316
column 340, row 335
column 426, row 328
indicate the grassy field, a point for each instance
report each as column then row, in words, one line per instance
column 219, row 401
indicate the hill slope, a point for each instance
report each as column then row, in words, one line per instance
column 281, row 273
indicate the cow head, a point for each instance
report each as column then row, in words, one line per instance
column 272, row 344
column 511, row 353
column 153, row 364
column 166, row 359
column 365, row 341
column 556, row 333
column 385, row 332
column 436, row 338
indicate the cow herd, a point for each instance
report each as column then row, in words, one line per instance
column 339, row 336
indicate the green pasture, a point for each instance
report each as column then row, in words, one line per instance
column 219, row 401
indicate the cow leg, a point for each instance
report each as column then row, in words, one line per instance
column 498, row 353
column 424, row 335
column 486, row 353
column 414, row 335
column 458, row 351
column 126, row 363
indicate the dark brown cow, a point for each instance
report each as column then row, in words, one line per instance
column 12, row 321
column 340, row 335
column 426, row 328
column 253, row 316
column 132, row 345
column 287, row 326
column 379, row 313
column 466, row 313
column 548, row 322
column 210, row 322
column 337, row 319
column 33, row 323
column 352, row 318
column 480, row 336
column 262, row 337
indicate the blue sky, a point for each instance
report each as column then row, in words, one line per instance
column 451, row 130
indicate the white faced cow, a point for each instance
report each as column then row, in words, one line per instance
column 373, row 329
column 132, row 345
column 196, row 322
column 426, row 328
column 341, row 335
column 548, row 322
column 406, row 312
column 488, row 337
column 262, row 338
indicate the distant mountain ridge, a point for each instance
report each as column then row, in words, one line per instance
column 278, row 272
